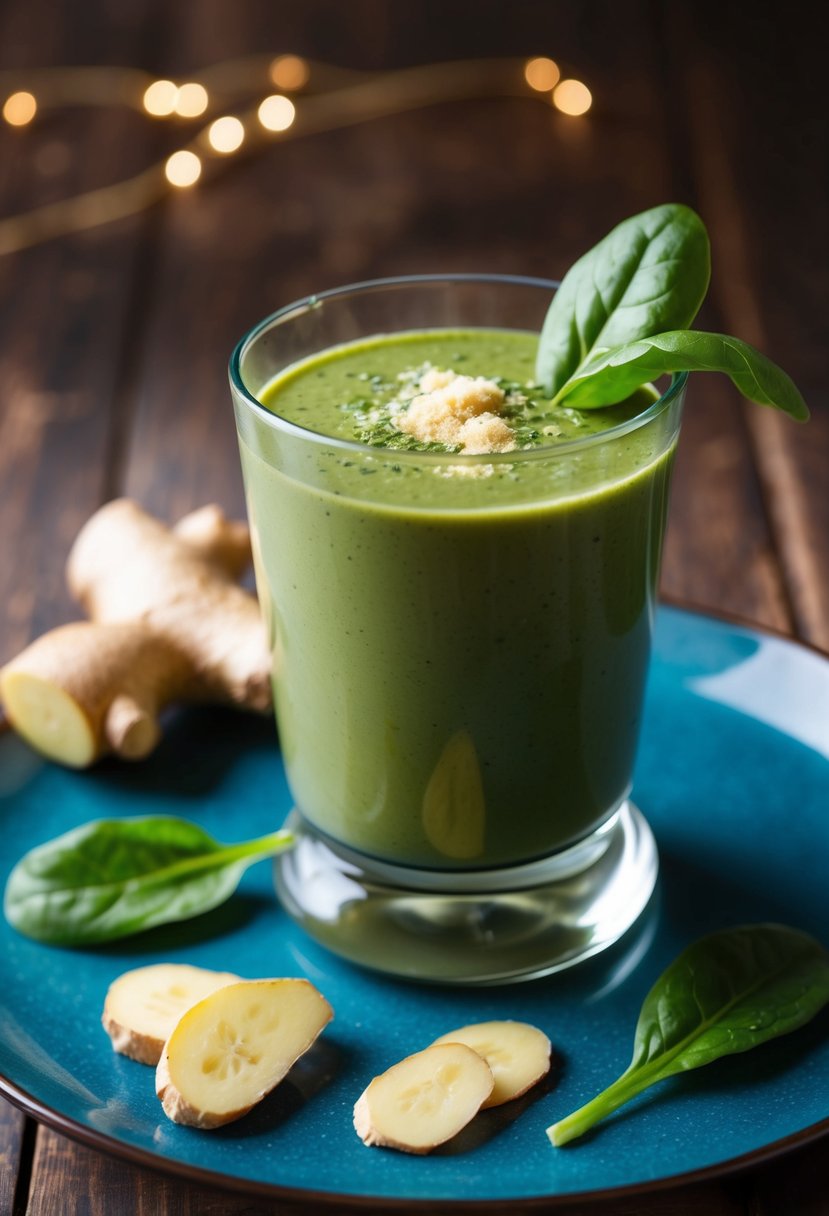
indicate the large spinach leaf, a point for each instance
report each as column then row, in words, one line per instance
column 726, row 993
column 620, row 320
column 113, row 877
column 649, row 274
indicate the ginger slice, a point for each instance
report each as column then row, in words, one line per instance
column 518, row 1055
column 143, row 1006
column 232, row 1048
column 424, row 1100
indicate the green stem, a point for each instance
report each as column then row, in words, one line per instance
column 598, row 1108
column 263, row 846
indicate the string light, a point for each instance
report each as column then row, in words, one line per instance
column 160, row 98
column 572, row 97
column 20, row 108
column 226, row 134
column 183, row 168
column 289, row 72
column 341, row 97
column 276, row 113
column 542, row 74
column 192, row 100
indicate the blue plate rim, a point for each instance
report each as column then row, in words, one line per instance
column 250, row 1186
column 234, row 1184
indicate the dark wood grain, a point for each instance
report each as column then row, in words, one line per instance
column 14, row 1160
column 65, row 317
column 770, row 244
column 797, row 1186
column 114, row 344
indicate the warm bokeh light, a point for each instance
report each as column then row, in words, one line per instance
column 183, row 168
column 160, row 98
column 289, row 72
column 542, row 74
column 191, row 100
column 20, row 108
column 280, row 110
column 226, row 134
column 572, row 97
column 276, row 113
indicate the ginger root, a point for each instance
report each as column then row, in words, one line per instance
column 168, row 623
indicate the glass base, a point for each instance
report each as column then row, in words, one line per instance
column 458, row 927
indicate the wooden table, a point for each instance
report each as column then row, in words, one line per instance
column 113, row 343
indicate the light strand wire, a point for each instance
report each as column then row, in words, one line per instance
column 350, row 98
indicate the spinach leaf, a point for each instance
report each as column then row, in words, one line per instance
column 726, row 993
column 649, row 274
column 614, row 374
column 113, row 877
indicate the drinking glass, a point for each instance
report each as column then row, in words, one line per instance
column 460, row 647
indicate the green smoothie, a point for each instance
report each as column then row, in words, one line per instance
column 460, row 642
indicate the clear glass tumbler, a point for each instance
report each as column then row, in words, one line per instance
column 460, row 647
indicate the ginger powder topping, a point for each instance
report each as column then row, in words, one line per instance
column 459, row 411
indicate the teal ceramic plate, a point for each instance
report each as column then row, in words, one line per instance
column 734, row 778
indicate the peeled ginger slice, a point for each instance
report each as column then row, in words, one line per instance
column 231, row 1049
column 424, row 1100
column 143, row 1006
column 518, row 1055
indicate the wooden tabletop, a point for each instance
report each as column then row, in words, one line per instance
column 114, row 342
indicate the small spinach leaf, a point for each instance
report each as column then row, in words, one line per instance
column 649, row 274
column 614, row 374
column 726, row 993
column 113, row 877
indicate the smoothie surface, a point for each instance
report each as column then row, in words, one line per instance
column 350, row 391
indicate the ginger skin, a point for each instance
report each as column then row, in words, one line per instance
column 168, row 623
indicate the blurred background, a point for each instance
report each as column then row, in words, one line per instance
column 114, row 339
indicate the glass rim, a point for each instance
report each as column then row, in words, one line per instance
column 402, row 456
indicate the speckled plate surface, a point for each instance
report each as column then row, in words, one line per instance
column 733, row 776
